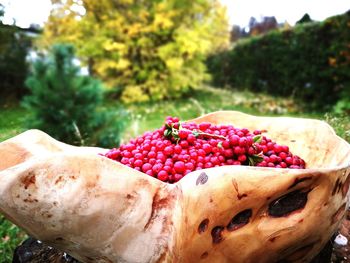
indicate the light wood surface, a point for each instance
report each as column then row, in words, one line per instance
column 99, row 210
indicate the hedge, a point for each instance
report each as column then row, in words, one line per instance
column 309, row 62
column 14, row 46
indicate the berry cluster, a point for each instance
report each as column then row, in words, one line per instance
column 177, row 149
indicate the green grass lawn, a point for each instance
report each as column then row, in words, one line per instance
column 10, row 237
column 149, row 116
column 11, row 121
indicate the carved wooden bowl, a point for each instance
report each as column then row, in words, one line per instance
column 98, row 210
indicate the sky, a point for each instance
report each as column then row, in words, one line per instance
column 239, row 11
column 26, row 12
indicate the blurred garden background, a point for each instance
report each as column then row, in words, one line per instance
column 100, row 72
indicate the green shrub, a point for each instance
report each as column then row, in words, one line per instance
column 66, row 104
column 309, row 62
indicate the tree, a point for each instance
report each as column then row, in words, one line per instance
column 149, row 49
column 257, row 28
column 305, row 19
column 236, row 33
column 2, row 12
column 64, row 103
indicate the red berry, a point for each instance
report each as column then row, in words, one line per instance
column 214, row 160
column 273, row 158
column 167, row 168
column 124, row 160
column 240, row 134
column 283, row 164
column 228, row 153
column 163, row 176
column 242, row 158
column 191, row 138
column 194, row 156
column 238, row 150
column 215, row 149
column 245, row 130
column 242, row 142
column 251, row 151
column 157, row 168
column 229, row 162
column 204, row 126
column 200, row 159
column 270, row 164
column 138, row 156
column 201, row 152
column 264, row 148
column 285, row 148
column 234, row 140
column 289, row 160
column 278, row 148
column 160, row 145
column 161, row 157
column 138, row 163
column 177, row 149
column 225, row 144
column 184, row 144
column 179, row 166
column 263, row 164
column 127, row 154
column 249, row 140
column 207, row 148
column 187, row 172
column 170, row 159
column 186, row 157
column 208, row 165
column 177, row 177
column 296, row 160
column 270, row 145
column 149, row 172
column 147, row 147
column 146, row 167
column 183, row 134
column 189, row 166
column 283, row 155
column 151, row 154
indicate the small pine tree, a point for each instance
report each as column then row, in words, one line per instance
column 63, row 102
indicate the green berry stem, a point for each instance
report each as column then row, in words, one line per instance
column 170, row 131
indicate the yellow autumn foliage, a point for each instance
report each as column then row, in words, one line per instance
column 151, row 49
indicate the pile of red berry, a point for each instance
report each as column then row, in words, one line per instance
column 177, row 149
